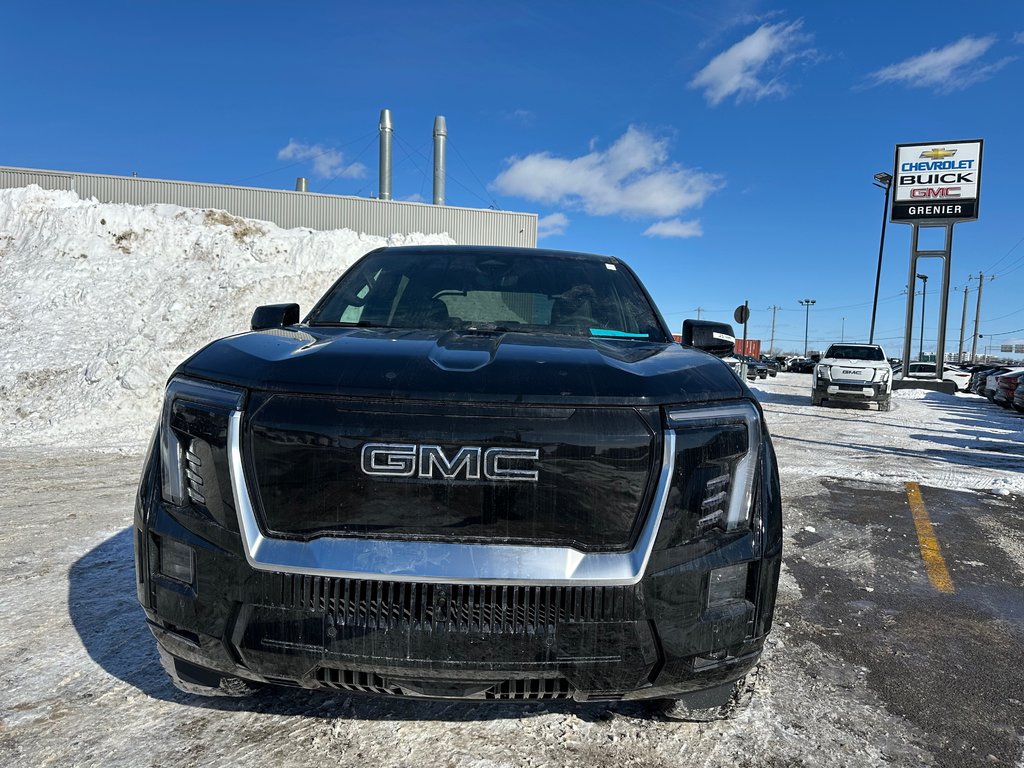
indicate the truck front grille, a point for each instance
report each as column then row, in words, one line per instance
column 507, row 690
column 456, row 607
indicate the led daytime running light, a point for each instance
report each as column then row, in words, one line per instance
column 736, row 492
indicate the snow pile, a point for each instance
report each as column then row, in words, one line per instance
column 99, row 302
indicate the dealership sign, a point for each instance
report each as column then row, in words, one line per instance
column 937, row 182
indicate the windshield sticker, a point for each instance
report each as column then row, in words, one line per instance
column 610, row 334
column 611, row 267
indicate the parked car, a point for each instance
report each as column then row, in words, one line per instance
column 772, row 364
column 949, row 373
column 1006, row 386
column 978, row 378
column 989, row 390
column 801, row 365
column 1018, row 397
column 469, row 473
column 853, row 373
column 755, row 368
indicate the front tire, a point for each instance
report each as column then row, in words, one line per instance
column 885, row 405
column 722, row 703
column 199, row 681
column 816, row 399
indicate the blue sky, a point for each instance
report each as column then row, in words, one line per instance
column 725, row 150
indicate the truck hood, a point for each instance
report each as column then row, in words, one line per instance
column 465, row 366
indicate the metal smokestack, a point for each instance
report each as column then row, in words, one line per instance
column 440, row 137
column 301, row 184
column 385, row 154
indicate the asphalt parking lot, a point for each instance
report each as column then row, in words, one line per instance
column 898, row 638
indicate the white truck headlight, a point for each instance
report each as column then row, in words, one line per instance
column 822, row 372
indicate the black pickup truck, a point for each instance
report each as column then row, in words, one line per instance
column 468, row 473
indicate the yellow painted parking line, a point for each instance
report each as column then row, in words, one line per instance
column 931, row 553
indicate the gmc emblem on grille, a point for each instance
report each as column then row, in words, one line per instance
column 430, row 462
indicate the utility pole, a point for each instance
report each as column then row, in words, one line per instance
column 963, row 325
column 842, row 332
column 771, row 346
column 977, row 317
column 698, row 313
column 807, row 319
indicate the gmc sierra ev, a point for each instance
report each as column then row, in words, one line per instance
column 469, row 473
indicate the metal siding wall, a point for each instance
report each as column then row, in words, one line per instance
column 290, row 209
column 17, row 177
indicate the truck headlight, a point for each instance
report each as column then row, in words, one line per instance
column 822, row 372
column 717, row 452
column 193, row 445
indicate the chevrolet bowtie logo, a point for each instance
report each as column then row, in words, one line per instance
column 939, row 153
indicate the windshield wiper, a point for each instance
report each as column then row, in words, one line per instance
column 356, row 324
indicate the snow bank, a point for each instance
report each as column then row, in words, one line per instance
column 101, row 301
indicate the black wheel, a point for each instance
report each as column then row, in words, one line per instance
column 816, row 399
column 722, row 703
column 885, row 405
column 198, row 681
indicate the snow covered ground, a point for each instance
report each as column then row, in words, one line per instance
column 949, row 441
column 99, row 302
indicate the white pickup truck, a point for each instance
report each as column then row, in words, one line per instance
column 853, row 373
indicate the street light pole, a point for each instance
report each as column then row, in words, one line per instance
column 924, row 298
column 882, row 181
column 807, row 319
column 842, row 333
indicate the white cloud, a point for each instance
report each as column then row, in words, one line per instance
column 752, row 68
column 675, row 228
column 327, row 161
column 415, row 197
column 524, row 117
column 633, row 177
column 952, row 68
column 552, row 224
column 1019, row 38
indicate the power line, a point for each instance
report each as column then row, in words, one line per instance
column 450, row 176
column 1001, row 317
column 455, row 149
column 1015, row 246
column 343, row 168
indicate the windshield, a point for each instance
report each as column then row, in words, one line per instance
column 484, row 291
column 853, row 352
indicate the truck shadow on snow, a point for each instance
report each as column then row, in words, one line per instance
column 112, row 627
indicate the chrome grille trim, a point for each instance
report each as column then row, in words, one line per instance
column 443, row 562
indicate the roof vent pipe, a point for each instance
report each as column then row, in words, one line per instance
column 301, row 184
column 440, row 137
column 385, row 154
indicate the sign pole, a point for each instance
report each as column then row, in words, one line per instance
column 908, row 328
column 746, row 316
column 936, row 186
column 940, row 342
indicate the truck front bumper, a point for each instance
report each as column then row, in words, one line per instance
column 876, row 392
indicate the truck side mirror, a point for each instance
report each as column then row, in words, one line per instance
column 274, row 316
column 715, row 338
